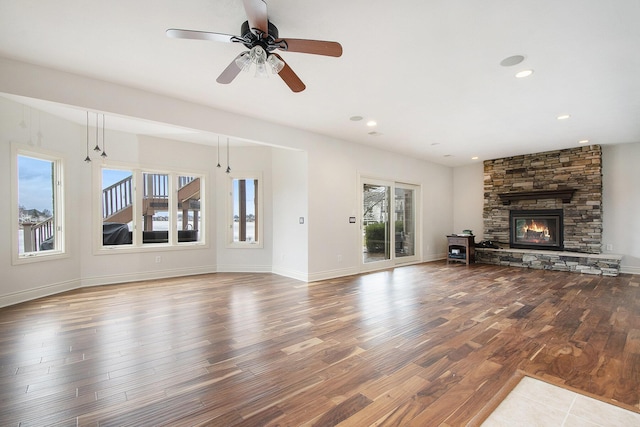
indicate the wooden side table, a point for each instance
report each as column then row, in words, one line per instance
column 461, row 249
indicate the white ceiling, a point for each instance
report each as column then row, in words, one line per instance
column 428, row 72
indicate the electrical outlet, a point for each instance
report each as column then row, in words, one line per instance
column 339, row 258
column 609, row 247
column 158, row 259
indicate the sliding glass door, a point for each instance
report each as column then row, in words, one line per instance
column 375, row 222
column 389, row 223
column 405, row 221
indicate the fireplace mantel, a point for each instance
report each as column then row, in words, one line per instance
column 565, row 194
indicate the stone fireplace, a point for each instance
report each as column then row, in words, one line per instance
column 566, row 180
column 544, row 211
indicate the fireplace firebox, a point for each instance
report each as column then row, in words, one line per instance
column 536, row 229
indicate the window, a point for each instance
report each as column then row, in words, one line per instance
column 155, row 208
column 246, row 211
column 117, row 207
column 166, row 211
column 37, row 205
column 189, row 219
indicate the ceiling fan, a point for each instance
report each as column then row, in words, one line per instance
column 261, row 38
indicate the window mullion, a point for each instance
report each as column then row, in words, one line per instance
column 242, row 209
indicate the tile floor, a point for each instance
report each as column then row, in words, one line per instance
column 536, row 403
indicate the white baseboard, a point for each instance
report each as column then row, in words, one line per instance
column 69, row 285
column 35, row 293
column 434, row 257
column 332, row 274
column 244, row 269
column 56, row 288
column 629, row 269
column 112, row 279
column 293, row 274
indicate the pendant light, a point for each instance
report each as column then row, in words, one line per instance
column 97, row 147
column 218, row 165
column 104, row 144
column 87, row 159
column 228, row 168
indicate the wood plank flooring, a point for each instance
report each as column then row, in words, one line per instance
column 421, row 345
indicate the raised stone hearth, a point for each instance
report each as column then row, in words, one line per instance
column 606, row 265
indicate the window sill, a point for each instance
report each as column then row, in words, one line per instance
column 39, row 257
column 243, row 245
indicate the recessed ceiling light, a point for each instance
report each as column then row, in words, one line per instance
column 563, row 117
column 474, row 158
column 435, row 143
column 583, row 141
column 371, row 123
column 524, row 73
column 374, row 133
column 355, row 118
column 512, row 60
column 447, row 155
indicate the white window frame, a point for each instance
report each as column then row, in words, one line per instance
column 137, row 244
column 58, row 208
column 256, row 244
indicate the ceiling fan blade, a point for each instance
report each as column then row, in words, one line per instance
column 256, row 11
column 200, row 35
column 316, row 47
column 230, row 72
column 289, row 77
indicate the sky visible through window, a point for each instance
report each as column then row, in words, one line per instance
column 35, row 178
column 35, row 189
column 250, row 192
column 111, row 176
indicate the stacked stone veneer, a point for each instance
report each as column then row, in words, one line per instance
column 607, row 265
column 578, row 168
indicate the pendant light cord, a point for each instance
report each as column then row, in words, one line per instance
column 228, row 167
column 87, row 159
column 104, row 144
column 218, row 165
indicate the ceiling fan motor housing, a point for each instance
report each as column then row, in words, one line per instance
column 251, row 39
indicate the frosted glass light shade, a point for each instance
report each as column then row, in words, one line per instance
column 275, row 63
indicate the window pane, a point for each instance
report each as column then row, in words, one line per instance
column 404, row 222
column 375, row 223
column 245, row 212
column 36, row 204
column 117, row 207
column 155, row 205
column 189, row 218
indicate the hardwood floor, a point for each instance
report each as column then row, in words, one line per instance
column 420, row 345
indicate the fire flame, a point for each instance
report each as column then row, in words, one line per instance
column 534, row 226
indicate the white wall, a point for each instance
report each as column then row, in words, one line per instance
column 335, row 244
column 31, row 280
column 317, row 180
column 112, row 266
column 621, row 203
column 253, row 259
column 290, row 203
column 468, row 188
column 322, row 186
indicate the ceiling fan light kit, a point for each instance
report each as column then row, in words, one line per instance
column 261, row 37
